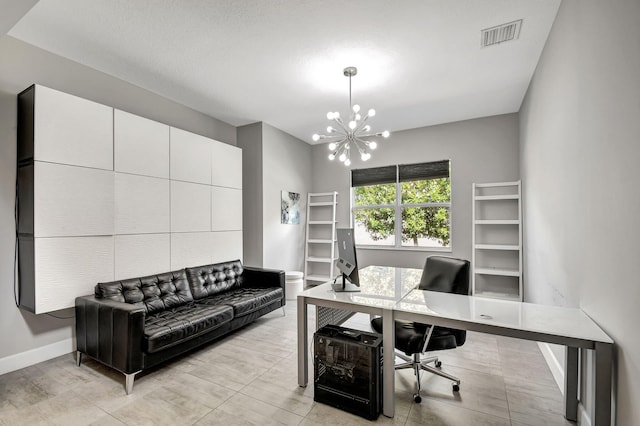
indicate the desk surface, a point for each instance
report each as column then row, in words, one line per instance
column 380, row 287
column 520, row 316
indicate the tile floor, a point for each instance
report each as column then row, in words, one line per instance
column 250, row 378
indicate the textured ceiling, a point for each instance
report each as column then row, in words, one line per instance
column 280, row 61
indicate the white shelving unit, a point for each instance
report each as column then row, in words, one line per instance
column 320, row 245
column 497, row 240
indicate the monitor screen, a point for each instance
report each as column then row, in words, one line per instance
column 347, row 261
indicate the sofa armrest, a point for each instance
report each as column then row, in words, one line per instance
column 111, row 332
column 261, row 277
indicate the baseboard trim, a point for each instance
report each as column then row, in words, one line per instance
column 34, row 356
column 557, row 371
column 583, row 417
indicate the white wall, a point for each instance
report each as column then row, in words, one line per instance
column 580, row 147
column 286, row 166
column 26, row 337
column 481, row 150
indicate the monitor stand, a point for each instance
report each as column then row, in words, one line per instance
column 345, row 286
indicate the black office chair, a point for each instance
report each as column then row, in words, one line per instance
column 445, row 274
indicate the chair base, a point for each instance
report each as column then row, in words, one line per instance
column 417, row 363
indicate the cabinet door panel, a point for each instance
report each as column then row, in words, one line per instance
column 141, row 255
column 226, row 246
column 69, row 267
column 190, row 157
column 141, row 204
column 72, row 201
column 141, row 146
column 190, row 207
column 226, row 209
column 226, row 163
column 190, row 249
column 72, row 130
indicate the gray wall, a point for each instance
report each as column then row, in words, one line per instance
column 286, row 167
column 274, row 161
column 481, row 150
column 21, row 66
column 250, row 140
column 580, row 147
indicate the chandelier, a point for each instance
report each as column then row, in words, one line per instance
column 351, row 133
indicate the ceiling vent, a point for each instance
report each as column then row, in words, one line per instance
column 500, row 34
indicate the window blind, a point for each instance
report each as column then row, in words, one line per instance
column 420, row 171
column 403, row 172
column 373, row 176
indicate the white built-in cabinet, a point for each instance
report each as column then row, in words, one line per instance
column 105, row 194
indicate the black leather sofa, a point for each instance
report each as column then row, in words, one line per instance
column 134, row 324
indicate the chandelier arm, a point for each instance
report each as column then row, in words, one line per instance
column 361, row 124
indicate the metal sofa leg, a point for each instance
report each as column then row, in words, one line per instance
column 78, row 358
column 129, row 378
column 284, row 313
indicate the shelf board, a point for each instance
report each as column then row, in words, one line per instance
column 320, row 259
column 497, row 247
column 498, row 295
column 319, row 241
column 497, row 271
column 496, row 185
column 498, row 222
column 322, row 222
column 497, row 197
column 322, row 278
column 321, row 204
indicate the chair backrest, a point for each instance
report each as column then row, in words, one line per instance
column 445, row 274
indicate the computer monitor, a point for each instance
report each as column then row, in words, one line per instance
column 347, row 261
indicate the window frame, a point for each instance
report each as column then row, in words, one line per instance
column 398, row 208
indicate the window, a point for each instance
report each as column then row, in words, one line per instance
column 407, row 205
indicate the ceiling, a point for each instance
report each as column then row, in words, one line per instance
column 280, row 61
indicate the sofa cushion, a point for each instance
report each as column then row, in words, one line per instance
column 245, row 300
column 155, row 292
column 172, row 326
column 213, row 279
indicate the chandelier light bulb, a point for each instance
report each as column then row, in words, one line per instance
column 365, row 156
column 373, row 145
column 336, row 115
column 329, row 129
column 342, row 157
column 329, row 115
column 352, row 124
column 347, row 162
column 372, row 112
column 332, row 146
column 356, row 108
column 358, row 117
column 332, row 156
column 315, row 137
column 385, row 134
column 367, row 128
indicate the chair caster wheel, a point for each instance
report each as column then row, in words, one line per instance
column 417, row 398
column 438, row 364
column 456, row 387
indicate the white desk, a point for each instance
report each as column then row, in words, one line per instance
column 387, row 291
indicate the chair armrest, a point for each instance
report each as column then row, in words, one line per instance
column 111, row 332
column 261, row 277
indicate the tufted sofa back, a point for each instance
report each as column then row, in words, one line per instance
column 213, row 279
column 155, row 293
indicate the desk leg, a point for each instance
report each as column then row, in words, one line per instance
column 604, row 353
column 388, row 363
column 571, row 384
column 303, row 356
